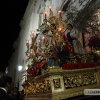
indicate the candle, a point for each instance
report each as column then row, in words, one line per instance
column 59, row 13
column 60, row 30
column 50, row 9
column 27, row 43
column 32, row 35
column 45, row 15
column 31, row 53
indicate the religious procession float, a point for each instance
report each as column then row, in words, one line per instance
column 55, row 71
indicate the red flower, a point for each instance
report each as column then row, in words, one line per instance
column 37, row 71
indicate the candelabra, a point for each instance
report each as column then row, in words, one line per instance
column 50, row 45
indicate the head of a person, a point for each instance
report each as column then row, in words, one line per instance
column 53, row 26
column 70, row 26
column 5, row 82
column 15, row 90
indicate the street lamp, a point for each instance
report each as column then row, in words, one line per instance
column 19, row 69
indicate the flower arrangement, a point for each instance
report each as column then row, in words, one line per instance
column 94, row 42
column 80, row 65
column 35, row 68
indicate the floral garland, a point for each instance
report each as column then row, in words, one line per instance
column 80, row 65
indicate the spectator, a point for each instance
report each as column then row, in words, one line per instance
column 16, row 95
column 5, row 84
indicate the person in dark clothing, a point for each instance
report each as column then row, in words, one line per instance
column 5, row 84
column 15, row 94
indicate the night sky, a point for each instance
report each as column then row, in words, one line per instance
column 11, row 13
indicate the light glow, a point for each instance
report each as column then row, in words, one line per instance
column 19, row 67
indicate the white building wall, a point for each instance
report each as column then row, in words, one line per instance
column 28, row 23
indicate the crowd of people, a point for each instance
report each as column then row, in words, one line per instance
column 7, row 91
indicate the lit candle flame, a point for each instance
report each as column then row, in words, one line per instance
column 32, row 32
column 43, row 38
column 60, row 29
column 31, row 53
column 32, row 35
column 50, row 9
column 59, row 12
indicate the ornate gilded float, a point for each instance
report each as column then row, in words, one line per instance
column 57, row 84
column 54, row 73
